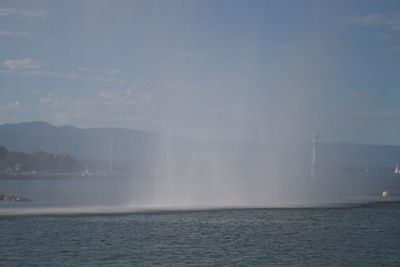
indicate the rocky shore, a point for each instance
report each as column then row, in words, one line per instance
column 12, row 198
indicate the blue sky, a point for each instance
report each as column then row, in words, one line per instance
column 250, row 70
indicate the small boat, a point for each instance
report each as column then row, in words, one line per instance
column 86, row 172
column 12, row 198
column 397, row 170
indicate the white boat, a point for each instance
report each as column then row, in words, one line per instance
column 86, row 172
column 397, row 170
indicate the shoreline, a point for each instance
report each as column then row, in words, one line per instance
column 126, row 210
column 55, row 176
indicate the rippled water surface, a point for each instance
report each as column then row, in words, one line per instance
column 359, row 236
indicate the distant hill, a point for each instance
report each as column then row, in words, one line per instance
column 133, row 145
column 360, row 154
column 93, row 143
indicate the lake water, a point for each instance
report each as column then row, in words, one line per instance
column 58, row 193
column 87, row 223
column 359, row 236
column 133, row 193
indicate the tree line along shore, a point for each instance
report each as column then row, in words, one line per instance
column 14, row 161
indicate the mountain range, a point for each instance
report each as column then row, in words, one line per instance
column 133, row 145
column 92, row 143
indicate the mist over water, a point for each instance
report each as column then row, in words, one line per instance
column 228, row 95
column 239, row 133
column 230, row 160
column 241, row 122
column 227, row 174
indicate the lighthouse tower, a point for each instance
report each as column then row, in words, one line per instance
column 314, row 159
column 110, row 157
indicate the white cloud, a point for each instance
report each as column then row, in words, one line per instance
column 29, row 66
column 51, row 102
column 14, row 34
column 131, row 106
column 22, row 13
column 93, row 111
column 391, row 22
column 65, row 75
column 22, row 64
column 115, row 94
column 368, row 20
column 64, row 111
column 10, row 106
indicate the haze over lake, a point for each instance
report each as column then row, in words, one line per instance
column 199, row 132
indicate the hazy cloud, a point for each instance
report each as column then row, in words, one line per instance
column 22, row 64
column 14, row 34
column 98, row 70
column 390, row 22
column 135, row 105
column 115, row 94
column 22, row 13
column 29, row 66
column 10, row 106
column 51, row 102
column 367, row 20
column 101, row 110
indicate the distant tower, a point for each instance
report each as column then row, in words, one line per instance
column 314, row 160
column 110, row 158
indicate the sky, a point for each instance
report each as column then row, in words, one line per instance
column 271, row 71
